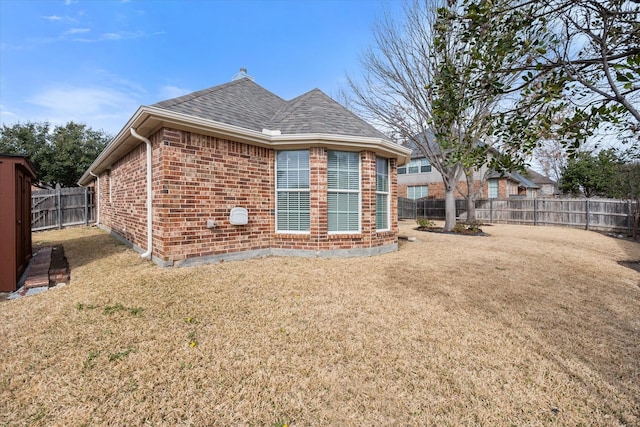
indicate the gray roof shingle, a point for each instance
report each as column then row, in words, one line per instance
column 246, row 104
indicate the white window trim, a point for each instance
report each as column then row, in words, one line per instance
column 359, row 191
column 387, row 193
column 288, row 190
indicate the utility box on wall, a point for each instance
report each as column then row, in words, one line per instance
column 16, row 175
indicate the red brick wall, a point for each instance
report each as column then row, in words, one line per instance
column 124, row 211
column 197, row 177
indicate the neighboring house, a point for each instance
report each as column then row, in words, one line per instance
column 548, row 187
column 509, row 184
column 419, row 179
column 234, row 172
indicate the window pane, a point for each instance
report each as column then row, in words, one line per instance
column 343, row 176
column 343, row 211
column 292, row 210
column 417, row 191
column 343, row 170
column 493, row 188
column 292, row 169
column 382, row 211
column 424, row 165
column 382, row 174
column 292, row 207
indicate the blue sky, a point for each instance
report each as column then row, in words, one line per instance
column 97, row 61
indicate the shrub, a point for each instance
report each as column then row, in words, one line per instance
column 425, row 223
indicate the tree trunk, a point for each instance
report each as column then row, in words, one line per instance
column 450, row 208
column 471, row 200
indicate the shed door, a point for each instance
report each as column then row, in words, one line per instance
column 22, row 222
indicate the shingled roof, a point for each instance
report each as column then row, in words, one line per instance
column 246, row 104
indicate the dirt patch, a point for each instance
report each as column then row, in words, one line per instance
column 532, row 326
column 634, row 265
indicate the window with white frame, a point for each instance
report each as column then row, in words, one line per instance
column 417, row 191
column 343, row 195
column 421, row 165
column 382, row 194
column 292, row 192
column 493, row 188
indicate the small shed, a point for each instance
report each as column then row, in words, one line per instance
column 16, row 175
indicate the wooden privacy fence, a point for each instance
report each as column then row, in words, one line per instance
column 591, row 214
column 61, row 207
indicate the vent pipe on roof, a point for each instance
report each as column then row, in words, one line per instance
column 241, row 75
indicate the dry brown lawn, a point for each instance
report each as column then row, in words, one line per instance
column 528, row 326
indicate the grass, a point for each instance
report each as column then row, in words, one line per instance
column 526, row 326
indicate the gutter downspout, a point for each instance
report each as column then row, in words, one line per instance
column 147, row 254
column 98, row 197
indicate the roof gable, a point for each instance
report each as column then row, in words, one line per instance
column 315, row 112
column 246, row 104
column 241, row 103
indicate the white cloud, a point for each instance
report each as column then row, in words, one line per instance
column 76, row 31
column 6, row 115
column 98, row 107
column 123, row 35
column 53, row 18
column 168, row 92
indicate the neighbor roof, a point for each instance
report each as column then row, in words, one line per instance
column 538, row 178
column 246, row 104
column 515, row 176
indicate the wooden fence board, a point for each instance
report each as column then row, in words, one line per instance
column 61, row 207
column 591, row 214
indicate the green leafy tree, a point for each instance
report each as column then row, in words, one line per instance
column 586, row 67
column 31, row 140
column 592, row 174
column 59, row 156
column 626, row 182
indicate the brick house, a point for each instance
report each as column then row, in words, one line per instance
column 419, row 179
column 234, row 172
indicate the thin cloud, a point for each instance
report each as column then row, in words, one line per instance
column 6, row 114
column 98, row 107
column 76, row 31
column 114, row 37
column 123, row 35
column 53, row 18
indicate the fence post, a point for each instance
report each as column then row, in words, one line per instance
column 535, row 211
column 59, row 205
column 490, row 210
column 629, row 217
column 586, row 210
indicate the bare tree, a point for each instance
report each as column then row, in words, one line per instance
column 552, row 156
column 428, row 80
